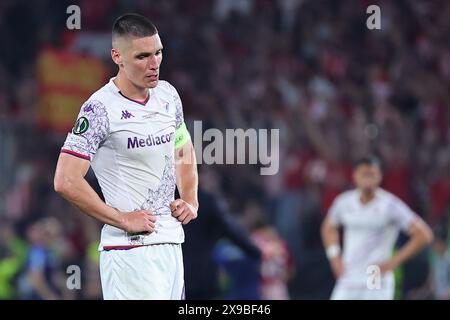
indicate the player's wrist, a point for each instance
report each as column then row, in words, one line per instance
column 395, row 261
column 192, row 203
column 333, row 251
column 120, row 219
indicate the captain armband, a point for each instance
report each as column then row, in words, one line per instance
column 181, row 136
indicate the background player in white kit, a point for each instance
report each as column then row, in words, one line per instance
column 371, row 219
column 132, row 133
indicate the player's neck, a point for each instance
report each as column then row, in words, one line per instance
column 366, row 196
column 128, row 89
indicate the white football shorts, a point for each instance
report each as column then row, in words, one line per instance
column 357, row 290
column 151, row 272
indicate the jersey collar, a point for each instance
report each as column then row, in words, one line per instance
column 116, row 89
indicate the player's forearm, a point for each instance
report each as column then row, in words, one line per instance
column 188, row 184
column 330, row 238
column 416, row 243
column 330, row 235
column 187, row 176
column 77, row 191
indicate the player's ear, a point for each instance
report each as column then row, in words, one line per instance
column 116, row 57
column 380, row 178
column 354, row 175
column 380, row 175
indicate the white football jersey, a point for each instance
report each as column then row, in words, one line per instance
column 131, row 146
column 370, row 230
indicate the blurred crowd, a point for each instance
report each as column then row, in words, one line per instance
column 335, row 89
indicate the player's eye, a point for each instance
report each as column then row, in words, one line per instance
column 159, row 52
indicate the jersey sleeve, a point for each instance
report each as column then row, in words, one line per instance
column 335, row 212
column 182, row 135
column 402, row 215
column 90, row 130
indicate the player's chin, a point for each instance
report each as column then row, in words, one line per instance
column 151, row 82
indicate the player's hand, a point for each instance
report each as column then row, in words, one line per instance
column 139, row 221
column 338, row 266
column 387, row 266
column 183, row 211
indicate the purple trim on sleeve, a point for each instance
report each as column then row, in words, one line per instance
column 76, row 154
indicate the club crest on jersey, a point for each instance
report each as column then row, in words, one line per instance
column 126, row 114
column 81, row 126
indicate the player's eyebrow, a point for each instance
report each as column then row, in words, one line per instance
column 146, row 53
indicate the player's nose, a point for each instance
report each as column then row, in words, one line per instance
column 153, row 63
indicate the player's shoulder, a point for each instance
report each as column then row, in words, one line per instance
column 101, row 100
column 388, row 196
column 104, row 95
column 165, row 87
column 346, row 196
